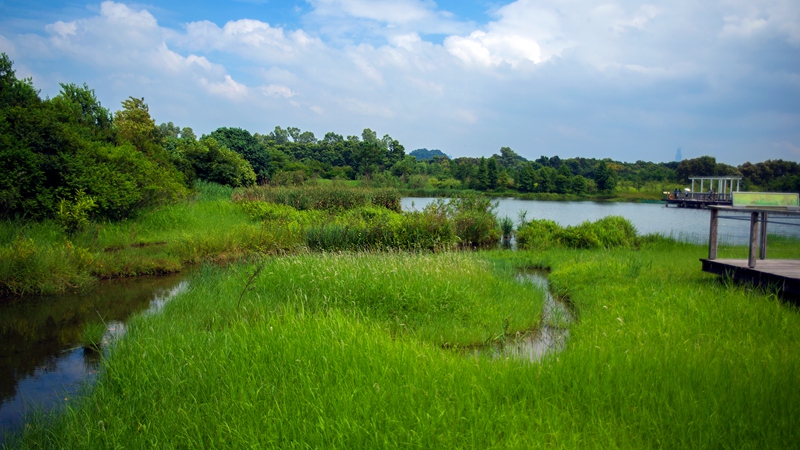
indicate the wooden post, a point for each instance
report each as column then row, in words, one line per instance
column 751, row 258
column 712, row 234
column 762, row 245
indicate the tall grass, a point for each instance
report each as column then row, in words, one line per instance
column 333, row 196
column 351, row 351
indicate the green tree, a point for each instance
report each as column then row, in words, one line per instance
column 243, row 143
column 213, row 162
column 167, row 130
column 605, row 178
column 188, row 133
column 78, row 107
column 492, row 173
column 135, row 124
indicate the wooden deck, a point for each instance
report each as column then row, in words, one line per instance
column 783, row 274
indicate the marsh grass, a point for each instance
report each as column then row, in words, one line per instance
column 93, row 334
column 326, row 197
column 352, row 351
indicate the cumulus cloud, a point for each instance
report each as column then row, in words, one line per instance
column 252, row 39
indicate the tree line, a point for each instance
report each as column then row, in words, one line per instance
column 69, row 158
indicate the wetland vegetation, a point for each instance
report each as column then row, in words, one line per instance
column 360, row 350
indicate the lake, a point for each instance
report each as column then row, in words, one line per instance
column 684, row 224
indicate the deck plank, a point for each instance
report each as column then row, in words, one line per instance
column 783, row 274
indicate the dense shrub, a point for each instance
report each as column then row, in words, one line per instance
column 608, row 232
column 474, row 221
column 121, row 179
column 538, row 233
column 374, row 228
column 55, row 151
column 208, row 160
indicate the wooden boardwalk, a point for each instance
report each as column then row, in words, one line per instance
column 782, row 274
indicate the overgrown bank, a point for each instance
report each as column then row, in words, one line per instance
column 220, row 224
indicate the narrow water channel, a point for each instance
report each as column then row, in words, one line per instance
column 550, row 337
column 42, row 360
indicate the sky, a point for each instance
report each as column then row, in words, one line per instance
column 574, row 78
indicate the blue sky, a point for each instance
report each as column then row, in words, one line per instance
column 619, row 79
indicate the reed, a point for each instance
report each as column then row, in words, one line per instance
column 92, row 336
column 325, row 197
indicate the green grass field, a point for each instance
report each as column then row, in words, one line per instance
column 344, row 350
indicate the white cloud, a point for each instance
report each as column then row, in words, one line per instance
column 492, row 49
column 252, row 39
column 275, row 90
column 391, row 11
column 227, row 88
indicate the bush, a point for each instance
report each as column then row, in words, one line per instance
column 537, row 234
column 608, row 232
column 475, row 222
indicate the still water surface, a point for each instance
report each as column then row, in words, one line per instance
column 685, row 224
column 42, row 362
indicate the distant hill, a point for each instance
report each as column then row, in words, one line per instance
column 424, row 153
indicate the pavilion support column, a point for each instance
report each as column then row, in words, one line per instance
column 751, row 258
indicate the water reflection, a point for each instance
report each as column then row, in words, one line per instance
column 42, row 362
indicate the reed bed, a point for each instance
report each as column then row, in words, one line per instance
column 327, row 197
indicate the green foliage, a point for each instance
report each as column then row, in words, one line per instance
column 507, row 227
column 135, row 124
column 121, row 179
column 34, row 263
column 243, row 143
column 52, row 150
column 474, row 221
column 537, row 234
column 74, row 215
column 373, row 228
column 608, row 232
column 605, row 178
column 210, row 161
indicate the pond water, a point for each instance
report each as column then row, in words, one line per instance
column 42, row 361
column 684, row 224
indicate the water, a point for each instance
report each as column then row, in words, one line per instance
column 691, row 225
column 550, row 337
column 42, row 362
